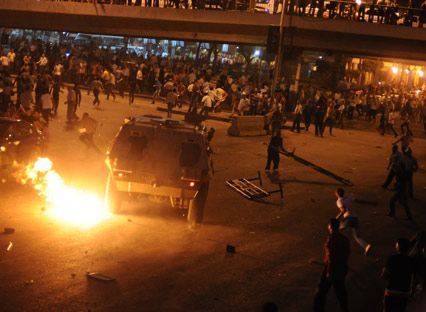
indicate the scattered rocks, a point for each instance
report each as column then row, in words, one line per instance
column 230, row 249
column 9, row 230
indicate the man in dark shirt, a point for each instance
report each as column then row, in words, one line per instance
column 393, row 166
column 319, row 120
column 274, row 148
column 336, row 255
column 400, row 195
column 399, row 272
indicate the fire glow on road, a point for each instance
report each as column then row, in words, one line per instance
column 66, row 204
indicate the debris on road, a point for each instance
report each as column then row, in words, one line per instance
column 8, row 230
column 9, row 247
column 230, row 249
column 100, row 277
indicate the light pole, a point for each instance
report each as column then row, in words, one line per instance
column 278, row 56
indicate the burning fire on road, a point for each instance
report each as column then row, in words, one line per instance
column 64, row 203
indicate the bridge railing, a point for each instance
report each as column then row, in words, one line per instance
column 357, row 10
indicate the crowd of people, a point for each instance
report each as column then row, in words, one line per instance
column 39, row 71
column 206, row 87
column 408, row 13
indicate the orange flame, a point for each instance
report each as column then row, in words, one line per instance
column 64, row 203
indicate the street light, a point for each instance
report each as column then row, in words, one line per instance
column 394, row 70
column 421, row 73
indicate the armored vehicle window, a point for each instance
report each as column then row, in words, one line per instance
column 137, row 146
column 190, row 154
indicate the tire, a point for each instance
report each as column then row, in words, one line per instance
column 113, row 198
column 196, row 206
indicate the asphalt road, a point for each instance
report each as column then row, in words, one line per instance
column 160, row 264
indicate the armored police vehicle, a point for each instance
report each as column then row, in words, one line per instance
column 155, row 158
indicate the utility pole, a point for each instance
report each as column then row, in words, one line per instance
column 279, row 55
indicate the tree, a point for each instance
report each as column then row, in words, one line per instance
column 247, row 52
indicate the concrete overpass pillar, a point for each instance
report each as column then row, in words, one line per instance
column 252, row 5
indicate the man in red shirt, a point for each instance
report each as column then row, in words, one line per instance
column 336, row 255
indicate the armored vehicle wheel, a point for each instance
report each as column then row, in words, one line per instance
column 196, row 206
column 113, row 197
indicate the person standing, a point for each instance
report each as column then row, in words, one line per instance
column 275, row 146
column 350, row 218
column 71, row 103
column 46, row 106
column 57, row 72
column 157, row 90
column 341, row 113
column 171, row 99
column 391, row 122
column 244, row 104
column 393, row 165
column 56, row 89
column 336, row 256
column 207, row 105
column 42, row 64
column 96, row 87
column 329, row 118
column 307, row 112
column 109, row 87
column 399, row 273
column 400, row 193
column 297, row 117
column 139, row 78
column 410, row 166
column 319, row 117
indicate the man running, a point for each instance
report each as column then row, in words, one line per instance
column 87, row 131
column 350, row 218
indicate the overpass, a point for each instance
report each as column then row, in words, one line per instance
column 241, row 27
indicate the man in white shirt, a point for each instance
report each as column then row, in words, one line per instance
column 350, row 218
column 46, row 106
column 42, row 64
column 244, row 104
column 139, row 79
column 207, row 103
column 297, row 117
column 57, row 72
column 221, row 96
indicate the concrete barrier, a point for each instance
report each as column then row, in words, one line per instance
column 247, row 126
